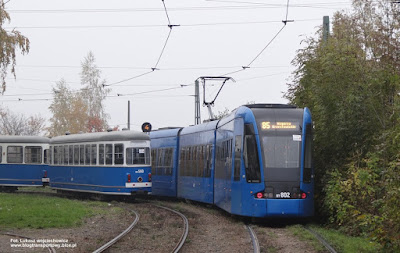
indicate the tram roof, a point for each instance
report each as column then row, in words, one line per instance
column 101, row 136
column 23, row 139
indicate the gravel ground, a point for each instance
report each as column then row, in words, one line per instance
column 159, row 230
column 279, row 239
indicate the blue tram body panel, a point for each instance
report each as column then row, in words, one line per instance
column 164, row 174
column 105, row 180
column 23, row 161
column 196, row 166
column 22, row 174
column 116, row 163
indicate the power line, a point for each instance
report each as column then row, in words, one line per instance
column 170, row 26
column 253, row 5
column 269, row 43
column 154, row 26
column 136, row 68
column 128, row 79
column 162, row 51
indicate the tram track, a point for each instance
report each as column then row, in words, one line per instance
column 198, row 220
column 186, row 228
column 120, row 236
column 320, row 239
column 254, row 239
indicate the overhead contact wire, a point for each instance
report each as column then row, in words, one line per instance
column 269, row 43
column 159, row 57
column 128, row 79
column 162, row 51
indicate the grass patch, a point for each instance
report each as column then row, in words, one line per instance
column 339, row 241
column 304, row 235
column 30, row 211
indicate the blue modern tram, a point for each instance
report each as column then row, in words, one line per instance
column 23, row 161
column 255, row 162
column 116, row 163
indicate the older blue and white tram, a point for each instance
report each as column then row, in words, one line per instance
column 254, row 162
column 23, row 161
column 105, row 162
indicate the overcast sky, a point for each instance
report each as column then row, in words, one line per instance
column 127, row 37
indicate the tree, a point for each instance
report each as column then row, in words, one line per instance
column 351, row 83
column 18, row 124
column 69, row 111
column 94, row 94
column 82, row 110
column 9, row 42
column 221, row 114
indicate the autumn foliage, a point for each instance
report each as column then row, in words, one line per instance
column 81, row 110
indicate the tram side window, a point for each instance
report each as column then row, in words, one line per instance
column 71, row 154
column 46, row 156
column 193, row 166
column 136, row 156
column 153, row 161
column 250, row 156
column 308, row 155
column 238, row 150
column 119, row 154
column 14, row 154
column 169, row 161
column 109, row 154
column 87, row 154
column 82, row 154
column 181, row 161
column 153, row 157
column 93, row 155
column 50, row 156
column 200, row 157
column 76, row 154
column 66, row 154
column 56, row 155
column 101, row 154
column 33, row 154
column 208, row 161
column 159, row 160
column 61, row 154
column 1, row 154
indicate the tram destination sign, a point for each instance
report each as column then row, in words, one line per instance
column 279, row 125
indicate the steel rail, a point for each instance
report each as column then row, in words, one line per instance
column 321, row 239
column 125, row 232
column 186, row 231
column 254, row 240
column 51, row 249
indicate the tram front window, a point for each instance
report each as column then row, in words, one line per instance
column 281, row 152
column 281, row 158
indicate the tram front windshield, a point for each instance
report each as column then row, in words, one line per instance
column 280, row 138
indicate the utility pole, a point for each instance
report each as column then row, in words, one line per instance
column 129, row 115
column 197, row 117
column 325, row 29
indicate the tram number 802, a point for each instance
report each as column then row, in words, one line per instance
column 283, row 195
